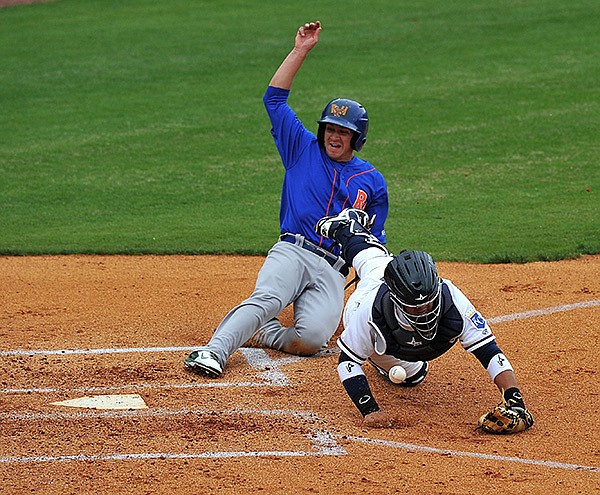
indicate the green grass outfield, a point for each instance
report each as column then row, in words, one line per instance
column 138, row 126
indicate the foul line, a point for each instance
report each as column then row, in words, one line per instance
column 542, row 312
column 139, row 386
column 256, row 358
column 23, row 352
column 323, row 442
column 495, row 319
column 307, row 416
column 422, row 448
column 154, row 455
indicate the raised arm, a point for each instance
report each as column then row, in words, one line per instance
column 307, row 37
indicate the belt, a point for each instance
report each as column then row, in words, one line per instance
column 335, row 261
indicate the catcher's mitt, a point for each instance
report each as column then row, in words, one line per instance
column 505, row 418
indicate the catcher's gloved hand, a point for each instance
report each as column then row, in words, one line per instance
column 327, row 226
column 510, row 416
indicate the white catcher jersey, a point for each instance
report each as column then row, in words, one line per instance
column 362, row 338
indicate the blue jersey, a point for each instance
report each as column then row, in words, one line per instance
column 314, row 185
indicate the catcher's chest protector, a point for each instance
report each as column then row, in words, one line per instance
column 410, row 346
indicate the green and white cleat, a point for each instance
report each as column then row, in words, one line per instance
column 204, row 363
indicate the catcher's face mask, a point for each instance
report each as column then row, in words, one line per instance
column 423, row 317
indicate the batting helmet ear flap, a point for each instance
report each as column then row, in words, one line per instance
column 321, row 134
column 358, row 141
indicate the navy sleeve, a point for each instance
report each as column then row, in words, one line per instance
column 357, row 387
column 486, row 353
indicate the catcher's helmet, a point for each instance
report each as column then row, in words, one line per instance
column 415, row 290
column 349, row 114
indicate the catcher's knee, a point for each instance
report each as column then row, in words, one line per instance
column 412, row 380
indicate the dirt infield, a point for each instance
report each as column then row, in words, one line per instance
column 79, row 326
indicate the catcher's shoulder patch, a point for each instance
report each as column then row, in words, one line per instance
column 477, row 320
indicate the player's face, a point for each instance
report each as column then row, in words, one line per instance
column 338, row 143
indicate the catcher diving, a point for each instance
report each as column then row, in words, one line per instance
column 403, row 313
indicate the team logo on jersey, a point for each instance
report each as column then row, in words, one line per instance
column 339, row 111
column 361, row 200
column 477, row 320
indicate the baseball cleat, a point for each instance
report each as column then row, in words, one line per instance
column 204, row 363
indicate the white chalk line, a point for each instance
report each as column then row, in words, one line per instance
column 323, row 443
column 328, row 438
column 495, row 319
column 543, row 312
column 139, row 386
column 423, row 448
column 155, row 455
column 307, row 416
column 66, row 352
column 256, row 358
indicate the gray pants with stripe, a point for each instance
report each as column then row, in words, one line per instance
column 290, row 274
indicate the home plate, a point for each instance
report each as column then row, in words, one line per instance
column 123, row 401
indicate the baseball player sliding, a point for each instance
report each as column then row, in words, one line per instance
column 322, row 177
column 402, row 315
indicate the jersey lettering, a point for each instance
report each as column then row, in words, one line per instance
column 361, row 200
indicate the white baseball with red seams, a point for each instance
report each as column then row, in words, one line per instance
column 397, row 374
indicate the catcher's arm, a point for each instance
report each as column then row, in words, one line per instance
column 511, row 415
column 357, row 387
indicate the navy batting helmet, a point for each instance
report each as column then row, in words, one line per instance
column 349, row 114
column 415, row 290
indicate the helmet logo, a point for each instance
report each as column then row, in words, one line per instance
column 420, row 297
column 339, row 111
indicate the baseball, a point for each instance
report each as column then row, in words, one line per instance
column 397, row 374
